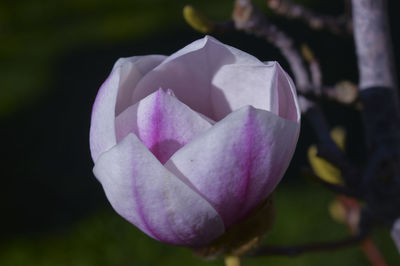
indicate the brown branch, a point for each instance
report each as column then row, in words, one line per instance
column 372, row 253
column 312, row 247
column 316, row 21
column 314, row 67
column 344, row 92
column 351, row 217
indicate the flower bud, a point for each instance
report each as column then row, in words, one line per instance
column 188, row 146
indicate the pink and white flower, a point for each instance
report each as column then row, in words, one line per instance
column 186, row 146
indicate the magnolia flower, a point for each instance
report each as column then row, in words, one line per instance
column 186, row 146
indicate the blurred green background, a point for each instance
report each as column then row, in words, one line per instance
column 54, row 55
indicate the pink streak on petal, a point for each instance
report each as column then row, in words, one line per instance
column 238, row 162
column 162, row 123
column 156, row 120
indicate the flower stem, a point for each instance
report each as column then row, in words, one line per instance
column 232, row 260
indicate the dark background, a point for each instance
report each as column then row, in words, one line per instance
column 54, row 55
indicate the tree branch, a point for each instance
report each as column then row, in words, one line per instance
column 312, row 247
column 373, row 44
column 316, row 21
column 249, row 19
column 314, row 67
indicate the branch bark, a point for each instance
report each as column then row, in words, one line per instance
column 251, row 20
column 316, row 21
column 373, row 44
column 381, row 178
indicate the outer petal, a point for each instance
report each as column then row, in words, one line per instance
column 288, row 106
column 237, row 163
column 112, row 96
column 162, row 123
column 189, row 72
column 146, row 194
column 264, row 86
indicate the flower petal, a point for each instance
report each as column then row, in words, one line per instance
column 111, row 99
column 162, row 123
column 189, row 73
column 395, row 233
column 146, row 194
column 287, row 97
column 265, row 86
column 236, row 164
column 132, row 70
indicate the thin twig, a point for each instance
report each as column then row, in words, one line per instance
column 314, row 67
column 312, row 247
column 316, row 21
column 351, row 217
column 249, row 19
column 343, row 92
column 372, row 253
